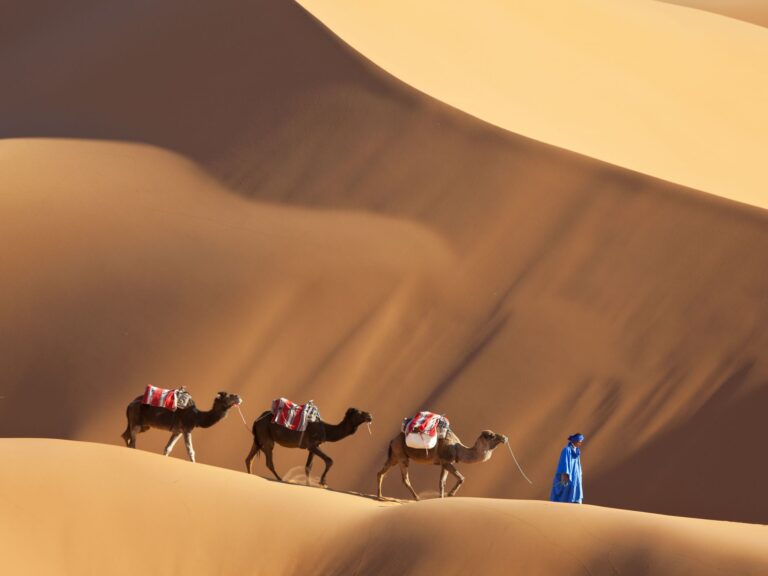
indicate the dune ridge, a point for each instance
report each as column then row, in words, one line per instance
column 111, row 505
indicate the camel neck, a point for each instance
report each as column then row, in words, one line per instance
column 336, row 432
column 211, row 417
column 477, row 453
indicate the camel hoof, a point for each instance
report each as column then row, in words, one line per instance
column 323, row 485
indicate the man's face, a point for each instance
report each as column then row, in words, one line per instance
column 578, row 444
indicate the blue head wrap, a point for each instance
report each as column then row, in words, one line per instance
column 576, row 438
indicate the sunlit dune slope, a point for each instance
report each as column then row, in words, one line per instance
column 588, row 299
column 674, row 93
column 111, row 510
column 754, row 11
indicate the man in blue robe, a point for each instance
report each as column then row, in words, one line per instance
column 567, row 483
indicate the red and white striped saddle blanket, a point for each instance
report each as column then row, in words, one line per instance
column 427, row 423
column 294, row 416
column 169, row 399
column 424, row 429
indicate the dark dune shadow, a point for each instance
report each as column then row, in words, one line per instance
column 692, row 466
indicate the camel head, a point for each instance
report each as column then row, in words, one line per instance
column 357, row 417
column 491, row 439
column 226, row 400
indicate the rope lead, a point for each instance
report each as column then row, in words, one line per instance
column 518, row 465
column 243, row 419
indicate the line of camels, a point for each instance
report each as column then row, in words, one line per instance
column 447, row 454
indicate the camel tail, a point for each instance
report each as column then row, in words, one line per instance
column 256, row 448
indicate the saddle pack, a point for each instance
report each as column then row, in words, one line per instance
column 294, row 416
column 424, row 430
column 170, row 399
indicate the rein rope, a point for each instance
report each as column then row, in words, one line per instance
column 245, row 423
column 518, row 465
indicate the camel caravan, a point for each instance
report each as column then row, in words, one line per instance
column 425, row 438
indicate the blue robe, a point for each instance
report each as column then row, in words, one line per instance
column 570, row 463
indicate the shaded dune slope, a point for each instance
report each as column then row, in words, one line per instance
column 511, row 285
column 97, row 514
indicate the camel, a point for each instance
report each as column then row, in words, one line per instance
column 448, row 452
column 266, row 434
column 142, row 417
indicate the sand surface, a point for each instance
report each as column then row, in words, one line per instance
column 676, row 93
column 227, row 197
column 107, row 510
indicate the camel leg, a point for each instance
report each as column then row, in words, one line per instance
column 391, row 461
column 130, row 436
column 407, row 479
column 328, row 463
column 188, row 444
column 270, row 464
column 251, row 456
column 459, row 476
column 171, row 443
column 443, row 478
column 308, row 465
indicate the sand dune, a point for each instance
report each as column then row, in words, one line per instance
column 754, row 11
column 674, row 93
column 130, row 266
column 590, row 308
column 510, row 284
column 292, row 220
column 649, row 86
column 111, row 510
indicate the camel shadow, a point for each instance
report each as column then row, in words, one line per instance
column 295, row 477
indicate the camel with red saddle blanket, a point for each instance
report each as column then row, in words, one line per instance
column 299, row 426
column 175, row 411
column 427, row 439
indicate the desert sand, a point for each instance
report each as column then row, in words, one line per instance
column 198, row 519
column 228, row 197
